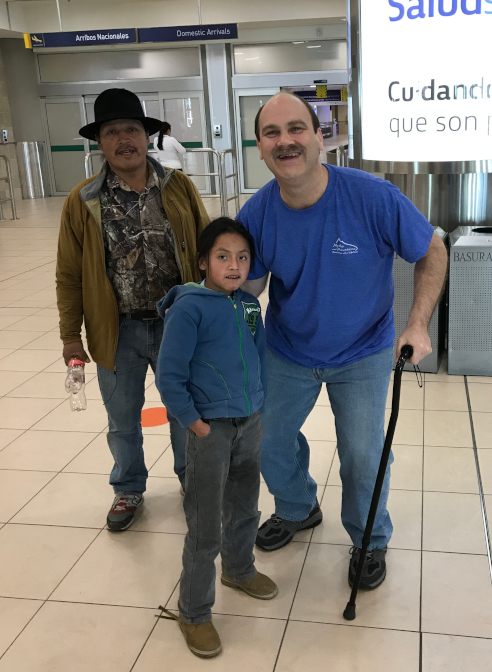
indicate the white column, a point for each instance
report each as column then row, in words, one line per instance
column 218, row 93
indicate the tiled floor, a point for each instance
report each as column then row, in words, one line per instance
column 75, row 597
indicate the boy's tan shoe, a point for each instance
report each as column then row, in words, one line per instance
column 203, row 640
column 260, row 586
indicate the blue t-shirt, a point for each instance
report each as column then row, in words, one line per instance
column 331, row 286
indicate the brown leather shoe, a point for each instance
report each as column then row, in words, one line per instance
column 260, row 586
column 203, row 640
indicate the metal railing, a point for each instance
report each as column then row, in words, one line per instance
column 8, row 179
column 220, row 174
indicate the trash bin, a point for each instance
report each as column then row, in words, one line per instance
column 403, row 277
column 470, row 301
column 33, row 172
column 337, row 156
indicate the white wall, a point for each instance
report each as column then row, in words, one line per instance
column 20, row 74
column 239, row 11
column 41, row 15
column 290, row 57
column 4, row 15
column 114, row 65
column 6, row 114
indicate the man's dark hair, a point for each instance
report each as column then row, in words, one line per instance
column 312, row 113
column 217, row 228
column 164, row 129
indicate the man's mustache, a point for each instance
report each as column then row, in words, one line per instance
column 289, row 149
column 124, row 148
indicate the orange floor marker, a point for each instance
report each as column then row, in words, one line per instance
column 153, row 417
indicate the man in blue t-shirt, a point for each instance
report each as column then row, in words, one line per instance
column 328, row 235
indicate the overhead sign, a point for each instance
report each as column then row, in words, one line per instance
column 311, row 95
column 426, row 81
column 84, row 38
column 220, row 31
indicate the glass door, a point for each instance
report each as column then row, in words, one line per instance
column 63, row 117
column 96, row 161
column 253, row 173
column 185, row 113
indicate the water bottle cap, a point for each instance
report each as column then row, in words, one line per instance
column 76, row 362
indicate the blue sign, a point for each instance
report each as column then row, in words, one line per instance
column 84, row 38
column 219, row 31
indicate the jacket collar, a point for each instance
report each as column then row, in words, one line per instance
column 92, row 189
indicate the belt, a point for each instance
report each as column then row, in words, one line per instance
column 141, row 315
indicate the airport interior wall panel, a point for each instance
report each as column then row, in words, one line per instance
column 448, row 201
column 403, row 277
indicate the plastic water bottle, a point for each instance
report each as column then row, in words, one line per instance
column 75, row 384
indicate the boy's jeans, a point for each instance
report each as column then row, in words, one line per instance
column 221, row 508
column 357, row 394
column 123, row 393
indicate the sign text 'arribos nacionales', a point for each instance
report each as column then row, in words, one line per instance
column 82, row 38
column 219, row 31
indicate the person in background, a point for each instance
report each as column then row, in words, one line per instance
column 127, row 236
column 169, row 150
column 211, row 375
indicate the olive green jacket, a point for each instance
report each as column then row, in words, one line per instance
column 84, row 292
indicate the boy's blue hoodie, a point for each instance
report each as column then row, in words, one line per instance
column 212, row 357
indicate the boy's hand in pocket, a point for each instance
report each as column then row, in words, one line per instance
column 200, row 428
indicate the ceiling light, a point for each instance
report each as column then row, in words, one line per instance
column 313, row 46
column 252, row 59
column 312, row 86
column 298, row 42
column 239, row 53
column 343, row 19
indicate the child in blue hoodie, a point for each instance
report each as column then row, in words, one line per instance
column 211, row 377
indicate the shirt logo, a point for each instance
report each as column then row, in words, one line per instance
column 344, row 248
column 251, row 315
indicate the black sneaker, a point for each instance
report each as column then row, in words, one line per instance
column 277, row 532
column 374, row 571
column 123, row 510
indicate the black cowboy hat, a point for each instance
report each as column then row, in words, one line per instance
column 114, row 104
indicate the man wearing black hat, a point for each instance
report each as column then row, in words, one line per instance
column 127, row 236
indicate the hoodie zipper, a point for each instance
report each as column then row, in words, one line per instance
column 242, row 357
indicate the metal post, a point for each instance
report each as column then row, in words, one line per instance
column 88, row 171
column 354, row 86
column 225, row 177
column 339, row 156
column 8, row 179
column 59, row 15
column 11, row 187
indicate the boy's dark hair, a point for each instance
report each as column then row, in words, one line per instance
column 312, row 113
column 166, row 126
column 217, row 228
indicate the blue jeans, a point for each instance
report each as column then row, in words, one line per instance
column 357, row 394
column 221, row 508
column 123, row 393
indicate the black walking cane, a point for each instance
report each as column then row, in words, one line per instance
column 406, row 353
